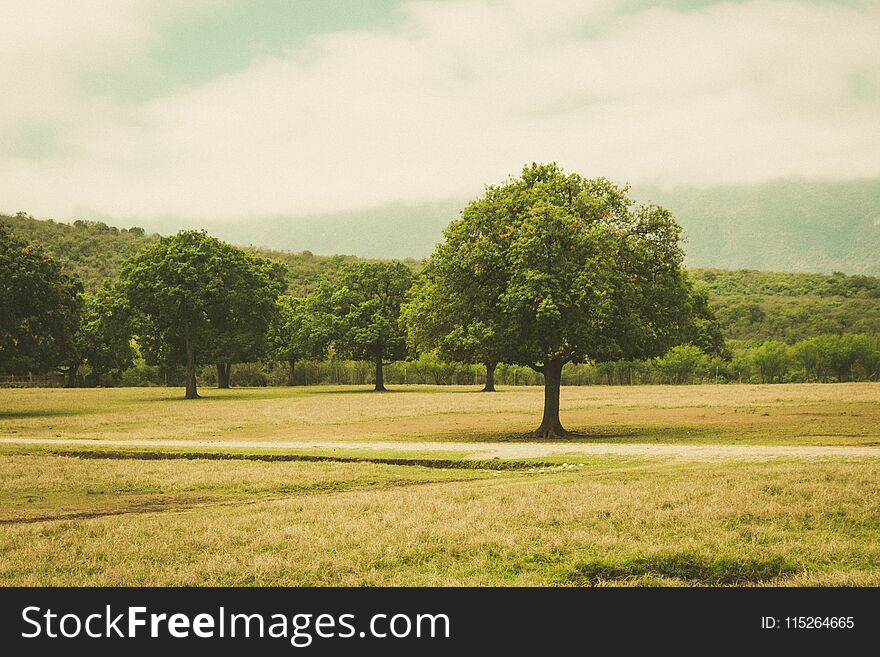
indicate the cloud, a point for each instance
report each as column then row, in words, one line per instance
column 442, row 99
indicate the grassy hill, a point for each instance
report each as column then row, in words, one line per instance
column 751, row 305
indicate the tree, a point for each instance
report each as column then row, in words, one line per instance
column 580, row 273
column 811, row 356
column 41, row 307
column 363, row 308
column 703, row 330
column 185, row 290
column 103, row 339
column 455, row 315
column 681, row 363
column 771, row 359
column 241, row 324
column 298, row 331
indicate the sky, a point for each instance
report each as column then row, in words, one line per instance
column 221, row 110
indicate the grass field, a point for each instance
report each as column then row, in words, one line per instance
column 808, row 414
column 274, row 510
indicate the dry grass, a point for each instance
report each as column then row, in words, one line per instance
column 809, row 414
column 614, row 522
column 113, row 519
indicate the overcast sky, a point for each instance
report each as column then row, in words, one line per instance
column 222, row 110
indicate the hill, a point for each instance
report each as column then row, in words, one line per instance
column 755, row 305
column 90, row 250
column 94, row 252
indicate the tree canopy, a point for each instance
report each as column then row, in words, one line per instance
column 41, row 307
column 190, row 292
column 103, row 338
column 363, row 309
column 299, row 331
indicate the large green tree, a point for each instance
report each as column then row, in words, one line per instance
column 185, row 291
column 578, row 270
column 40, row 307
column 363, row 306
column 298, row 331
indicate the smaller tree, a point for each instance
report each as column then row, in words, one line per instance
column 681, row 364
column 299, row 331
column 454, row 317
column 364, row 312
column 810, row 355
column 771, row 359
column 241, row 323
column 103, row 339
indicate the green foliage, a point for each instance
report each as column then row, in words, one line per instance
column 754, row 306
column 91, row 251
column 299, row 331
column 103, row 339
column 578, row 272
column 843, row 357
column 240, row 323
column 195, row 299
column 447, row 313
column 771, row 360
column 749, row 282
column 364, row 309
column 682, row 363
column 40, row 305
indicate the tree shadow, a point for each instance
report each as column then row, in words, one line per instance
column 572, row 437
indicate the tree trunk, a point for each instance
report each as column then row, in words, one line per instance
column 224, row 371
column 292, row 364
column 72, row 371
column 490, row 377
column 380, row 375
column 551, row 427
column 191, row 392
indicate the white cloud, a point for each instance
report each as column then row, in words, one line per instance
column 450, row 96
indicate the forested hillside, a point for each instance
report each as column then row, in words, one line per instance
column 90, row 250
column 752, row 306
column 94, row 252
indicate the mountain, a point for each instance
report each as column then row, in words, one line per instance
column 391, row 231
column 787, row 225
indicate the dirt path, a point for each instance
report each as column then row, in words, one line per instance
column 498, row 450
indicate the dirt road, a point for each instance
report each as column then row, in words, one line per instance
column 497, row 450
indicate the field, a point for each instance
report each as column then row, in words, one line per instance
column 704, row 485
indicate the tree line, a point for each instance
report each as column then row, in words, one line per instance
column 751, row 306
column 546, row 272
